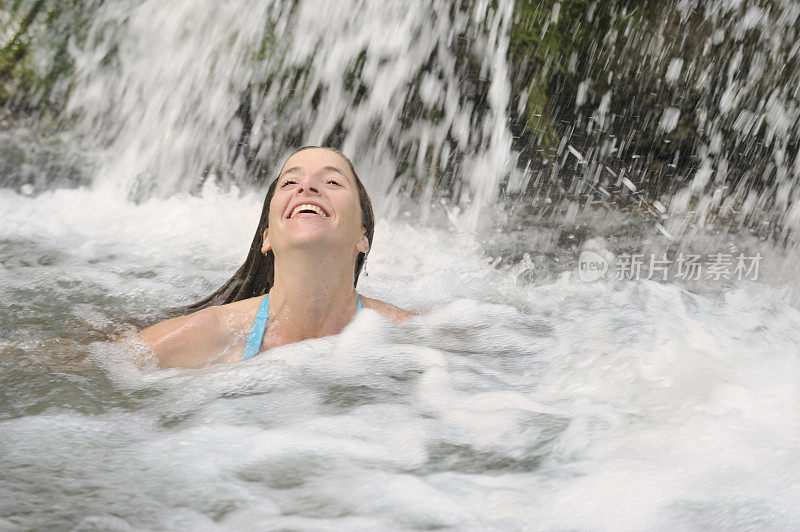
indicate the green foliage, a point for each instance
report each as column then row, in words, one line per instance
column 33, row 50
column 538, row 119
column 14, row 69
column 540, row 47
column 554, row 44
column 267, row 46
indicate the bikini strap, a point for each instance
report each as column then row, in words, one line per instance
column 256, row 335
column 257, row 332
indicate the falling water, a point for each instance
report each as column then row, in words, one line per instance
column 523, row 397
column 308, row 73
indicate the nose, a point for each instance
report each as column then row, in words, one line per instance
column 308, row 185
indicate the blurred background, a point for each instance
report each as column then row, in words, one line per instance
column 676, row 113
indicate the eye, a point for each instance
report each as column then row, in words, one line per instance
column 288, row 182
column 333, row 181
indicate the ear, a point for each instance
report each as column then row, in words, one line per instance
column 363, row 243
column 266, row 246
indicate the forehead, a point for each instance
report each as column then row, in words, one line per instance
column 315, row 160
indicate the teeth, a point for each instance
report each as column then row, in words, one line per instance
column 307, row 207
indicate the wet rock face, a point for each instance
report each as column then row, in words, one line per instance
column 624, row 103
column 35, row 59
column 693, row 96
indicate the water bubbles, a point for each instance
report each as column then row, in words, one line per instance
column 674, row 70
column 669, row 119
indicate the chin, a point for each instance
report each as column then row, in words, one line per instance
column 311, row 236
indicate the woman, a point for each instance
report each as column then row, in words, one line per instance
column 299, row 278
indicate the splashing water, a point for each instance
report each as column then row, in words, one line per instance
column 523, row 397
column 317, row 59
column 508, row 405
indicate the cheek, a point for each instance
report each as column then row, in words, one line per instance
column 274, row 211
column 357, row 217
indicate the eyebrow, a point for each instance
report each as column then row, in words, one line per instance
column 325, row 168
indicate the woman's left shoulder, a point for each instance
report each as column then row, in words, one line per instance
column 394, row 313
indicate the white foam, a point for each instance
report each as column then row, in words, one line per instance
column 573, row 405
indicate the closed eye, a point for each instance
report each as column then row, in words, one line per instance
column 288, row 182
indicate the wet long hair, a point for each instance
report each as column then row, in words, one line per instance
column 256, row 276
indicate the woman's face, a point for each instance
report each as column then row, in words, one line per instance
column 315, row 204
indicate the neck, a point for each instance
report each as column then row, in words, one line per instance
column 312, row 295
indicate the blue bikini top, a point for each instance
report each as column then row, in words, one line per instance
column 260, row 326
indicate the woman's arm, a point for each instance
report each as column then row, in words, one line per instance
column 395, row 314
column 191, row 341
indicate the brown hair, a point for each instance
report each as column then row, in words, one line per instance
column 256, row 275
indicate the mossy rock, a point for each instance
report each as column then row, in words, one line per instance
column 34, row 56
column 552, row 49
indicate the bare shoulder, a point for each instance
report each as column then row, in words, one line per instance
column 202, row 337
column 240, row 313
column 190, row 341
column 394, row 313
column 207, row 318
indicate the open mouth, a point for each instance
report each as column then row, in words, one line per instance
column 308, row 208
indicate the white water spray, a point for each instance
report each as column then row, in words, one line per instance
column 347, row 70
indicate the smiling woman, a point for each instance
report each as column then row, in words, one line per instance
column 299, row 279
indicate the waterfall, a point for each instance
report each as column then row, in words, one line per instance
column 157, row 86
column 517, row 152
column 180, row 92
column 683, row 113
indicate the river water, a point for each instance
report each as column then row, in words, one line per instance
column 524, row 397
column 508, row 405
